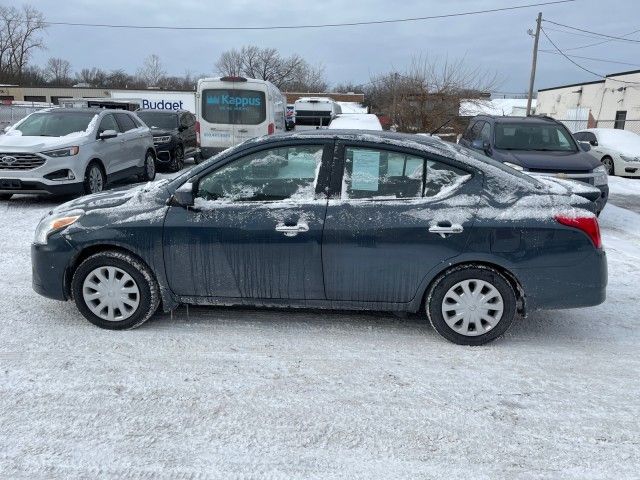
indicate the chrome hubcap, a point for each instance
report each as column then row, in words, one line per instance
column 111, row 293
column 95, row 180
column 472, row 307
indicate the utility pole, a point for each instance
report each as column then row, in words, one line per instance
column 533, row 62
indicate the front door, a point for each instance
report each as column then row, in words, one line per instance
column 111, row 150
column 393, row 222
column 255, row 230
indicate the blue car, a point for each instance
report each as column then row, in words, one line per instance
column 331, row 219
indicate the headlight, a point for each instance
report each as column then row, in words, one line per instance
column 63, row 152
column 55, row 223
column 165, row 139
column 628, row 158
column 600, row 176
column 514, row 166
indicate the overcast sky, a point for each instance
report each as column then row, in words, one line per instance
column 496, row 41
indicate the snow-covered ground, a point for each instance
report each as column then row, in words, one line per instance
column 242, row 393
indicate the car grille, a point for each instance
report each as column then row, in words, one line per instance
column 20, row 161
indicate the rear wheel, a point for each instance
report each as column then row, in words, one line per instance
column 94, row 178
column 177, row 162
column 115, row 290
column 198, row 158
column 609, row 165
column 471, row 305
column 6, row 196
column 149, row 170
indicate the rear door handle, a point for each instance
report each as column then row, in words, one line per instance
column 292, row 230
column 444, row 230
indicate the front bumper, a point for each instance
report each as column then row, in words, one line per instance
column 49, row 265
column 38, row 187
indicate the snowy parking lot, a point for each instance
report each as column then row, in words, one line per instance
column 246, row 393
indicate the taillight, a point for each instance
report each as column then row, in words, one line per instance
column 271, row 129
column 588, row 225
column 198, row 132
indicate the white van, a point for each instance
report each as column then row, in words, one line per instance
column 231, row 110
column 316, row 111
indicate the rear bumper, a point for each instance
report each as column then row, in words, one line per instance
column 27, row 186
column 581, row 285
column 604, row 196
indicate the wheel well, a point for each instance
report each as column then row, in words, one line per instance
column 100, row 164
column 511, row 278
column 92, row 250
column 152, row 151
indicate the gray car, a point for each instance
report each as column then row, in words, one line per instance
column 63, row 151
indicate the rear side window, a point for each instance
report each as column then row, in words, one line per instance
column 383, row 174
column 126, row 122
column 236, row 107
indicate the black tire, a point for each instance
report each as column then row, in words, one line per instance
column 6, row 196
column 149, row 168
column 609, row 165
column 149, row 293
column 442, row 285
column 198, row 158
column 95, row 179
column 177, row 162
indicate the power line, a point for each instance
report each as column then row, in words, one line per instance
column 579, row 47
column 594, row 59
column 580, row 66
column 612, row 37
column 323, row 25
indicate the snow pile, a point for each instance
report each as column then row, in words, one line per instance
column 355, row 121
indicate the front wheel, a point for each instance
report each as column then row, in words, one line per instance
column 471, row 305
column 149, row 170
column 115, row 290
column 94, row 179
column 609, row 165
column 177, row 162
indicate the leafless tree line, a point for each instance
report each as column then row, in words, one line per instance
column 20, row 36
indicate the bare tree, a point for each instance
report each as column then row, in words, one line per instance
column 94, row 77
column 152, row 71
column 20, row 36
column 267, row 64
column 428, row 93
column 57, row 71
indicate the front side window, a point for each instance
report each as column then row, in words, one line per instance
column 126, row 122
column 485, row 133
column 236, row 107
column 269, row 175
column 108, row 123
column 54, row 124
column 382, row 174
column 533, row 137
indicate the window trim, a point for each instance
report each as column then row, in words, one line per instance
column 322, row 184
column 335, row 190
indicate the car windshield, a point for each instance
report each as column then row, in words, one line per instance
column 538, row 137
column 159, row 119
column 54, row 124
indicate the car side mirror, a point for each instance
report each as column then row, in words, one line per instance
column 106, row 134
column 593, row 143
column 184, row 195
column 585, row 146
column 483, row 145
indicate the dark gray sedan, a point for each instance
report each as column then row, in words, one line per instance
column 331, row 219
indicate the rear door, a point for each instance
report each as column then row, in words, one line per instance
column 397, row 215
column 134, row 146
column 255, row 231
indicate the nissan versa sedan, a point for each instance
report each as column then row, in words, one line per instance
column 331, row 219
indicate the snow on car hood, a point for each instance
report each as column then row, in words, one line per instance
column 21, row 143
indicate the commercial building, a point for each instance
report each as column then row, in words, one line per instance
column 613, row 102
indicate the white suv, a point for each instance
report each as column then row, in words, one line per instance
column 71, row 151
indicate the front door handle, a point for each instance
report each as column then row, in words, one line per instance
column 444, row 230
column 292, row 230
